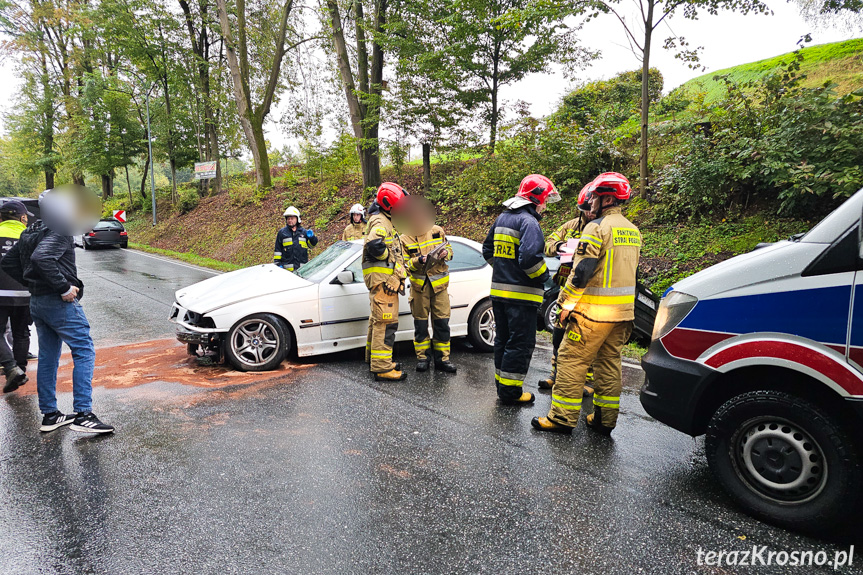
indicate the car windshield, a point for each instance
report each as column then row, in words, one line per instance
column 102, row 226
column 321, row 266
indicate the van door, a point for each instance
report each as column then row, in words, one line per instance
column 855, row 329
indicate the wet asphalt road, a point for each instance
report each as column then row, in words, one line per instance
column 323, row 471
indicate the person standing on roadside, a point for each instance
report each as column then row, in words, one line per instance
column 355, row 230
column 293, row 241
column 14, row 300
column 44, row 260
column 556, row 241
column 514, row 247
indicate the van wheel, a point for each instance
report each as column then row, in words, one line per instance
column 258, row 342
column 480, row 327
column 784, row 460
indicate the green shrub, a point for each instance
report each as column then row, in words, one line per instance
column 187, row 201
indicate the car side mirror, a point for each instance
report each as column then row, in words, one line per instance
column 345, row 277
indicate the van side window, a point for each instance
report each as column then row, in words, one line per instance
column 841, row 256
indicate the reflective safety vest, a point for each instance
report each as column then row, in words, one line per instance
column 382, row 252
column 568, row 231
column 292, row 247
column 11, row 292
column 437, row 273
column 609, row 294
column 514, row 247
column 354, row 232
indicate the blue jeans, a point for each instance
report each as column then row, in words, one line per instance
column 56, row 322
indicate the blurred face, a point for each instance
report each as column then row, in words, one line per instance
column 24, row 219
column 541, row 207
column 413, row 215
column 292, row 221
column 70, row 210
column 356, row 218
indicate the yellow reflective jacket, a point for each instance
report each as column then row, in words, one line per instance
column 382, row 252
column 354, row 232
column 417, row 246
column 608, row 295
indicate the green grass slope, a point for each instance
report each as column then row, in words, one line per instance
column 839, row 62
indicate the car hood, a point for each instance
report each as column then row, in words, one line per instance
column 237, row 286
column 769, row 263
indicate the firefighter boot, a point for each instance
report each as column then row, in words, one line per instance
column 594, row 422
column 546, row 383
column 423, row 364
column 545, row 424
column 444, row 365
column 394, row 375
column 526, row 398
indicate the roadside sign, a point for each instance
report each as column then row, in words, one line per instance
column 120, row 216
column 205, row 170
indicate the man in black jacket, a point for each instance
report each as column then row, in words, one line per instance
column 44, row 260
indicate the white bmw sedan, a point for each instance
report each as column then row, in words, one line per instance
column 255, row 317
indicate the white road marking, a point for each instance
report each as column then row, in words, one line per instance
column 175, row 262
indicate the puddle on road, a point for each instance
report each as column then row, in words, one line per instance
column 163, row 360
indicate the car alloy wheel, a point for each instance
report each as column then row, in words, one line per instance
column 254, row 342
column 486, row 326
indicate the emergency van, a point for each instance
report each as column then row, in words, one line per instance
column 763, row 353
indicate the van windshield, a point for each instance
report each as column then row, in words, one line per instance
column 830, row 228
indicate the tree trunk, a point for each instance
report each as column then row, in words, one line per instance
column 363, row 106
column 49, row 179
column 174, row 195
column 259, row 152
column 78, row 179
column 645, row 99
column 252, row 118
column 426, row 168
column 107, row 190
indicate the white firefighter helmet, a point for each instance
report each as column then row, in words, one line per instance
column 358, row 209
column 292, row 211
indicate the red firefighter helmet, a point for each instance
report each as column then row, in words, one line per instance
column 538, row 189
column 389, row 194
column 610, row 184
column 584, row 198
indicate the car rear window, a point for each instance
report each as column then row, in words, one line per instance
column 108, row 226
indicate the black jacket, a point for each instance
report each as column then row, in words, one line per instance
column 292, row 247
column 44, row 261
column 514, row 247
column 12, row 293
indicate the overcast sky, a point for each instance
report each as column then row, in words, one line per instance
column 728, row 39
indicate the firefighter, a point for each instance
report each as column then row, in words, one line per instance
column 569, row 230
column 597, row 310
column 357, row 228
column 514, row 247
column 293, row 241
column 384, row 273
column 429, row 294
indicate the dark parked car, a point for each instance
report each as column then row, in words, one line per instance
column 646, row 304
column 108, row 232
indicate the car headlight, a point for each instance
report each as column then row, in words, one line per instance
column 673, row 308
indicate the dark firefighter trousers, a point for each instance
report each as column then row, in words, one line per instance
column 514, row 340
